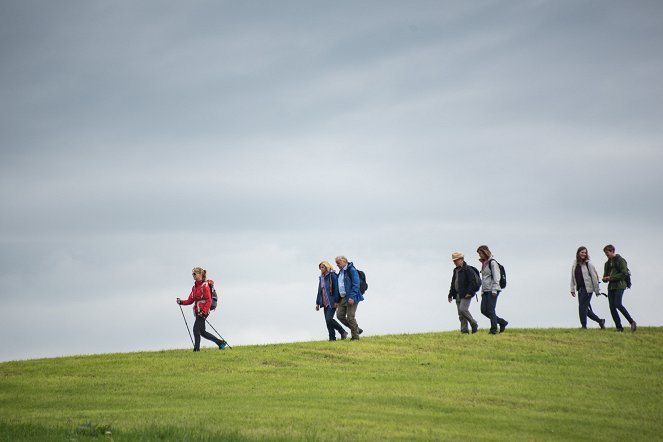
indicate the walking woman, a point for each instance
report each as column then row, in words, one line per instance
column 490, row 289
column 201, row 298
column 585, row 279
column 328, row 298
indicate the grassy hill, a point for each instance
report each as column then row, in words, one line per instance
column 543, row 384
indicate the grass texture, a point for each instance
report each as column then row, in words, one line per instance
column 527, row 384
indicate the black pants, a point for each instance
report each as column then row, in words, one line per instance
column 199, row 330
column 615, row 302
column 585, row 308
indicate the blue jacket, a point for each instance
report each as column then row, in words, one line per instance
column 331, row 286
column 351, row 281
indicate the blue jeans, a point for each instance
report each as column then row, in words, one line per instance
column 488, row 304
column 332, row 324
column 585, row 308
column 615, row 302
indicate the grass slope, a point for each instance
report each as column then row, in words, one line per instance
column 543, row 384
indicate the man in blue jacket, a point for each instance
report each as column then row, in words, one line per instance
column 348, row 286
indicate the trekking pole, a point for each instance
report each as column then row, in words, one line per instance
column 218, row 334
column 187, row 326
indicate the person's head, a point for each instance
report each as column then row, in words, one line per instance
column 341, row 261
column 325, row 267
column 582, row 255
column 609, row 251
column 199, row 274
column 484, row 252
column 458, row 259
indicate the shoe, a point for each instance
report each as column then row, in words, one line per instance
column 619, row 329
column 355, row 338
column 359, row 331
column 602, row 323
column 465, row 332
column 492, row 332
column 344, row 336
column 222, row 345
column 196, row 349
column 475, row 328
column 332, row 339
column 503, row 326
column 584, row 327
column 634, row 326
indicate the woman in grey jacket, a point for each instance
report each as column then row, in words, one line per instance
column 585, row 280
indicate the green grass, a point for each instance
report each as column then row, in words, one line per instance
column 542, row 384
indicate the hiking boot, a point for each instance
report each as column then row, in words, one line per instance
column 464, row 332
column 344, row 336
column 475, row 327
column 620, row 329
column 492, row 332
column 222, row 345
column 584, row 327
column 634, row 326
column 355, row 338
column 503, row 326
column 359, row 331
column 602, row 323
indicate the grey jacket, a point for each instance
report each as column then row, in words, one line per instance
column 589, row 275
column 490, row 277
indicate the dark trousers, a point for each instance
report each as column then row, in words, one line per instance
column 488, row 304
column 332, row 324
column 199, row 330
column 585, row 308
column 615, row 302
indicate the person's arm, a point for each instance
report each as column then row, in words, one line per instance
column 189, row 300
column 335, row 292
column 496, row 275
column 573, row 280
column 619, row 271
column 354, row 292
column 318, row 299
column 452, row 289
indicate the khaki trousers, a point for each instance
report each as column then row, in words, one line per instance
column 346, row 314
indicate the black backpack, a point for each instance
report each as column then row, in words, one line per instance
column 502, row 274
column 475, row 279
column 363, row 285
column 215, row 297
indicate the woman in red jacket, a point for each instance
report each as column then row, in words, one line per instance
column 201, row 298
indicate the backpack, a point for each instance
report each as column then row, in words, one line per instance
column 475, row 279
column 363, row 285
column 215, row 297
column 502, row 275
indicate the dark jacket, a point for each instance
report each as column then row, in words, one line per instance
column 351, row 281
column 617, row 270
column 464, row 282
column 331, row 286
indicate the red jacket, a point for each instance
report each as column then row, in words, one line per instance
column 200, row 297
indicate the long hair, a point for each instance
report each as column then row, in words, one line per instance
column 580, row 249
column 326, row 265
column 200, row 270
column 484, row 251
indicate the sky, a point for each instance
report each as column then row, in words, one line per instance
column 256, row 139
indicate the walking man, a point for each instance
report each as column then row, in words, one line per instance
column 615, row 273
column 490, row 289
column 462, row 290
column 348, row 287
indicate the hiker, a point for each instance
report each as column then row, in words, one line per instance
column 462, row 290
column 490, row 289
column 585, row 280
column 328, row 298
column 201, row 298
column 616, row 274
column 348, row 288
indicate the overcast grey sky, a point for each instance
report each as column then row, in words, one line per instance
column 141, row 139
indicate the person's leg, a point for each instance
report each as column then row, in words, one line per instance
column 583, row 303
column 352, row 321
column 464, row 310
column 197, row 326
column 613, row 310
column 342, row 312
column 461, row 318
column 619, row 294
column 330, row 321
column 488, row 302
column 501, row 321
column 209, row 336
column 335, row 323
column 590, row 313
